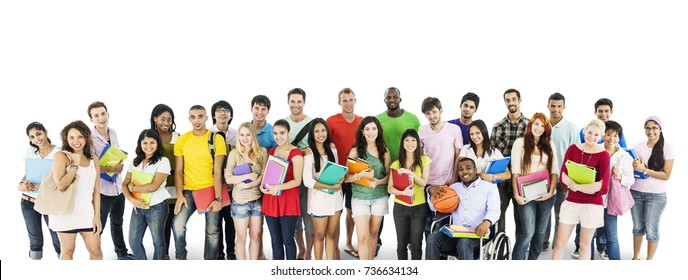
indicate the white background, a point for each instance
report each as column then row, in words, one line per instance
column 56, row 57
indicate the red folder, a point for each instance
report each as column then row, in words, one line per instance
column 204, row 197
column 402, row 182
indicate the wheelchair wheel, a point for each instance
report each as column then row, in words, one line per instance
column 498, row 249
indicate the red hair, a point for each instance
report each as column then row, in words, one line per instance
column 543, row 144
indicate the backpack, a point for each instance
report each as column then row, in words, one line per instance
column 211, row 147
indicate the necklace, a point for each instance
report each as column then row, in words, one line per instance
column 587, row 162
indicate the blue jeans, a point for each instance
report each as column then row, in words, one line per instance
column 113, row 206
column 153, row 218
column 439, row 243
column 32, row 219
column 612, row 246
column 211, row 249
column 646, row 213
column 282, row 235
column 534, row 218
column 410, row 224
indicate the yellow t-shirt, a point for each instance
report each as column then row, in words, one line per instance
column 198, row 165
column 418, row 190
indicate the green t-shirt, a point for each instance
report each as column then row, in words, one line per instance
column 295, row 128
column 393, row 128
column 365, row 193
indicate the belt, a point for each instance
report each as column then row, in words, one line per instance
column 28, row 198
column 252, row 201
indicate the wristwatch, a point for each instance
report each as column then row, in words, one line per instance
column 219, row 199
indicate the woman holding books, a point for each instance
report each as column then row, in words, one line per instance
column 531, row 154
column 162, row 121
column 144, row 187
column 246, row 197
column 369, row 195
column 41, row 150
column 281, row 201
column 410, row 210
column 79, row 165
column 482, row 152
column 656, row 160
column 325, row 202
column 584, row 203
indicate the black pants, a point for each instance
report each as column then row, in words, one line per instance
column 410, row 225
column 229, row 233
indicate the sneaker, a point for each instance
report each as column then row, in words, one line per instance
column 221, row 257
column 167, row 257
column 231, row 257
column 604, row 255
column 377, row 250
column 576, row 253
column 126, row 257
column 545, row 246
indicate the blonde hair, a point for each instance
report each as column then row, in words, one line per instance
column 596, row 123
column 256, row 152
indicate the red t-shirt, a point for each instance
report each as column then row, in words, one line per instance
column 343, row 134
column 601, row 163
column 286, row 204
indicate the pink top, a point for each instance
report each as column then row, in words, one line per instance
column 439, row 146
column 651, row 185
column 600, row 161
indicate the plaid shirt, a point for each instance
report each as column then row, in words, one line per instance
column 505, row 133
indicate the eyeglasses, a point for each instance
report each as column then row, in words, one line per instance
column 654, row 128
column 222, row 111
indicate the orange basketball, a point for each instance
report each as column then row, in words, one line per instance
column 446, row 200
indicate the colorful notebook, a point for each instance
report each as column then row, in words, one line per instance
column 532, row 177
column 580, row 173
column 330, row 174
column 497, row 166
column 402, row 182
column 457, row 231
column 636, row 174
column 242, row 170
column 139, row 179
column 532, row 190
column 275, row 172
column 203, row 198
column 110, row 157
column 36, row 168
column 356, row 166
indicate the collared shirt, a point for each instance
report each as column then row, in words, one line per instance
column 564, row 134
column 265, row 138
column 107, row 188
column 505, row 133
column 230, row 135
column 479, row 201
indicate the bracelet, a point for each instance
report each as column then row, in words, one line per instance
column 131, row 188
column 645, row 172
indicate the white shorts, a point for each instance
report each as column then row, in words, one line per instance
column 374, row 207
column 588, row 215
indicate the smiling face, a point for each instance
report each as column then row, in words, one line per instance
column 149, row 146
column 476, row 135
column 281, row 134
column 222, row 115
column 347, row 101
column 319, row 133
column 433, row 115
column 592, row 136
column 100, row 117
column 392, row 99
column 467, row 172
column 296, row 104
column 259, row 112
column 512, row 102
column 38, row 137
column 603, row 112
column 538, row 128
column 611, row 138
column 556, row 108
column 197, row 117
column 76, row 140
column 410, row 144
column 468, row 108
column 370, row 132
column 245, row 137
column 652, row 130
column 163, row 121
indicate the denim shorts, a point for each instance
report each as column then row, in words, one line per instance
column 373, row 207
column 324, row 216
column 244, row 210
column 588, row 215
column 646, row 213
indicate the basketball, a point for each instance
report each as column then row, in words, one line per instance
column 446, row 200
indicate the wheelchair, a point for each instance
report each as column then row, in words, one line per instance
column 496, row 246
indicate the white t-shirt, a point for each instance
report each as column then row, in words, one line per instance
column 162, row 166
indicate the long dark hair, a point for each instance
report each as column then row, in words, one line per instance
column 326, row 144
column 85, row 131
column 37, row 126
column 656, row 161
column 416, row 154
column 487, row 145
column 159, row 151
column 362, row 145
column 543, row 144
column 157, row 111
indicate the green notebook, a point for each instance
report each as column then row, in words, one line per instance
column 331, row 173
column 580, row 173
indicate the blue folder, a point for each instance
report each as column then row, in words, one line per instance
column 497, row 166
column 636, row 174
column 36, row 168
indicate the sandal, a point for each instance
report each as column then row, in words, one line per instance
column 351, row 252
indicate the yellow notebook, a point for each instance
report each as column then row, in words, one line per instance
column 580, row 173
column 139, row 179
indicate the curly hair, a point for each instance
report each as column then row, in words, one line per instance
column 85, row 131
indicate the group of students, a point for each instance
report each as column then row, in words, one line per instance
column 441, row 153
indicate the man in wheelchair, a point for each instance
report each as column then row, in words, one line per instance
column 478, row 208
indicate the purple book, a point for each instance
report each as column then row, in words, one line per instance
column 242, row 170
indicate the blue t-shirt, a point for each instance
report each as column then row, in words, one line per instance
column 265, row 138
column 464, row 129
